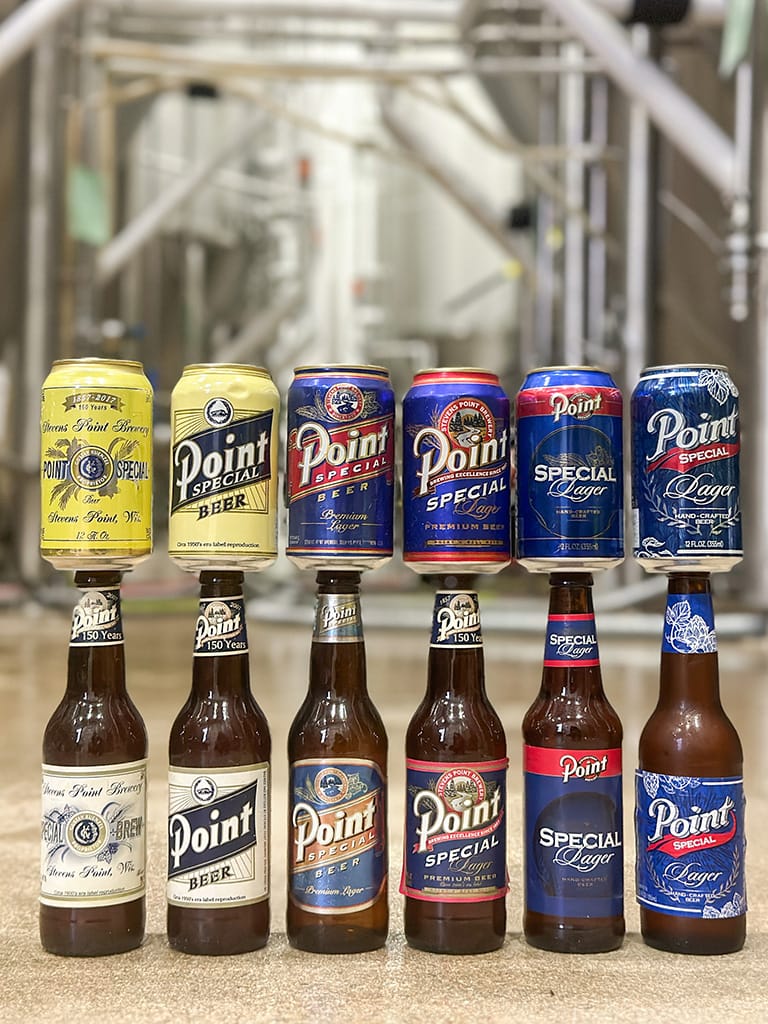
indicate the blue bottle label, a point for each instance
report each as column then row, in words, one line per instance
column 337, row 619
column 338, row 834
column 571, row 640
column 455, row 831
column 574, row 864
column 220, row 628
column 689, row 625
column 97, row 620
column 690, row 845
column 456, row 620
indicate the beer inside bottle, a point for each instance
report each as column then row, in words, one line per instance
column 94, row 790
column 337, row 821
column 574, row 879
column 218, row 824
column 689, row 815
column 454, row 873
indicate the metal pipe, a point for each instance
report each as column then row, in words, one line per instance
column 598, row 215
column 28, row 23
column 261, row 330
column 356, row 10
column 680, row 119
column 139, row 231
column 573, row 117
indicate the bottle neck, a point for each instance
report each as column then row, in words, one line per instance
column 337, row 661
column 220, row 663
column 96, row 662
column 571, row 654
column 689, row 666
column 456, row 666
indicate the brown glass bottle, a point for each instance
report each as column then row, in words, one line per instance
column 459, row 911
column 337, row 812
column 566, row 792
column 96, row 726
column 690, row 736
column 219, row 750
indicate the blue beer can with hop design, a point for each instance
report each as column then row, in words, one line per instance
column 341, row 467
column 456, row 472
column 686, row 512
column 570, row 487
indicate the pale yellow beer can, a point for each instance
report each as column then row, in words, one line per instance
column 223, row 474
column 96, row 465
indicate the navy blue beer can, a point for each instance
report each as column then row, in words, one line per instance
column 456, row 472
column 341, row 467
column 570, row 487
column 686, row 512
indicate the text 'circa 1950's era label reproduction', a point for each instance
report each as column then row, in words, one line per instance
column 93, row 834
column 573, row 829
column 218, row 835
column 455, row 822
column 690, row 845
column 338, row 860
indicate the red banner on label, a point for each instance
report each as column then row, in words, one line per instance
column 682, row 459
column 674, row 846
column 320, row 458
column 581, row 403
column 572, row 765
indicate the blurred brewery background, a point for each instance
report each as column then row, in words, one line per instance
column 499, row 183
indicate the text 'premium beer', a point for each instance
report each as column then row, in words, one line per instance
column 96, row 465
column 223, row 502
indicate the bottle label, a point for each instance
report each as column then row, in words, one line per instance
column 220, row 627
column 93, row 840
column 689, row 625
column 218, row 835
column 456, row 620
column 338, row 826
column 455, row 831
column 574, row 865
column 96, row 619
column 690, row 845
column 337, row 619
column 571, row 639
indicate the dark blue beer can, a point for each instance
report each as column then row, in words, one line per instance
column 570, row 487
column 686, row 513
column 456, row 472
column 341, row 467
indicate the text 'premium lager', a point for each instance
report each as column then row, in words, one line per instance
column 223, row 501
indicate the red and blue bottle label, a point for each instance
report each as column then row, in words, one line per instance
column 689, row 625
column 571, row 640
column 455, row 831
column 338, row 835
column 690, row 845
column 574, row 865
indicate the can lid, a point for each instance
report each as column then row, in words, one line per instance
column 124, row 364
column 683, row 367
column 568, row 366
column 258, row 371
column 441, row 372
column 347, row 367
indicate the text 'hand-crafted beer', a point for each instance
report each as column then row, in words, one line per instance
column 685, row 469
column 341, row 467
column 570, row 485
column 689, row 813
column 96, row 465
column 337, row 808
column 456, row 472
column 219, row 789
column 223, row 501
column 93, row 834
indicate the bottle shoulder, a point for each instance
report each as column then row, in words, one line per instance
column 561, row 720
column 95, row 730
column 337, row 725
column 690, row 740
column 219, row 731
column 450, row 728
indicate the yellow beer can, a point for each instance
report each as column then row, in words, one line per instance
column 223, row 474
column 96, row 465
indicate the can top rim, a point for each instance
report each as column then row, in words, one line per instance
column 259, row 371
column 325, row 367
column 673, row 367
column 127, row 364
column 569, row 366
column 457, row 369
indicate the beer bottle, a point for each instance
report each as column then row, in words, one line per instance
column 337, row 822
column 218, row 824
column 574, row 877
column 454, row 875
column 689, row 814
column 94, row 790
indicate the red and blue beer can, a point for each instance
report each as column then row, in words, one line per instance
column 686, row 511
column 570, row 488
column 341, row 467
column 456, row 472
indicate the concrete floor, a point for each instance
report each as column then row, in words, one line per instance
column 399, row 984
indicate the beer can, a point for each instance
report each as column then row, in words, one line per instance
column 341, row 467
column 456, row 472
column 96, row 465
column 686, row 513
column 223, row 474
column 570, row 487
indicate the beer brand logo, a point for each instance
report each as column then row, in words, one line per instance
column 96, row 612
column 459, row 615
column 198, row 836
column 580, row 406
column 87, row 833
column 344, row 402
column 88, row 399
column 337, row 617
column 677, row 834
column 319, row 459
column 204, row 789
column 586, row 768
column 218, row 626
column 467, row 421
column 459, row 807
column 326, row 837
column 84, row 467
column 218, row 412
column 331, row 785
column 577, row 477
column 92, row 467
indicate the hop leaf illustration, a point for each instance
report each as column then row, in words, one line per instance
column 651, row 784
column 718, row 384
column 678, row 613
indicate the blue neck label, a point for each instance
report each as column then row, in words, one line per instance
column 220, row 628
column 689, row 625
column 456, row 620
column 571, row 640
column 96, row 619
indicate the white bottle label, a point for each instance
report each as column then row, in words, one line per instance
column 218, row 835
column 93, row 834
